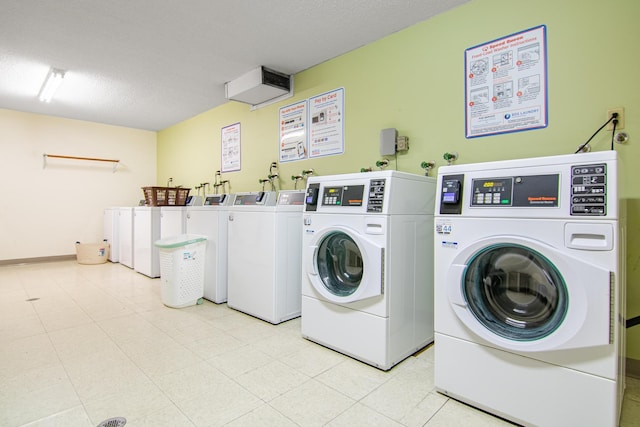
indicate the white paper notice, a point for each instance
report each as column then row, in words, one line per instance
column 293, row 132
column 506, row 84
column 230, row 145
column 326, row 128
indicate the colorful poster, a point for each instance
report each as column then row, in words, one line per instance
column 293, row 132
column 230, row 145
column 506, row 84
column 326, row 124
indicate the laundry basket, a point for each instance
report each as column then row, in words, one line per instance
column 182, row 261
column 92, row 253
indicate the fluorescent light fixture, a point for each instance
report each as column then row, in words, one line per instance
column 51, row 84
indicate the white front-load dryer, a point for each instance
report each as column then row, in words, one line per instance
column 264, row 247
column 367, row 279
column 210, row 220
column 529, row 290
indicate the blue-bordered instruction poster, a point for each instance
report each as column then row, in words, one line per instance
column 506, row 84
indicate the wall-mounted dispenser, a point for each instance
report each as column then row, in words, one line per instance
column 390, row 142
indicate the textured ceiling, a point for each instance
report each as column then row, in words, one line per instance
column 149, row 64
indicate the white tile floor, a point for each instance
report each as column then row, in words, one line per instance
column 98, row 343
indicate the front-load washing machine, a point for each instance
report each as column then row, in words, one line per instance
column 367, row 280
column 530, row 288
column 210, row 220
column 264, row 245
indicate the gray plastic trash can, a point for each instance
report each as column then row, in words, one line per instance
column 182, row 261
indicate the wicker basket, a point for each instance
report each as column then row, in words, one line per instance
column 165, row 196
column 92, row 253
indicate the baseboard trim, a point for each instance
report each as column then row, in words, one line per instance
column 37, row 260
column 633, row 368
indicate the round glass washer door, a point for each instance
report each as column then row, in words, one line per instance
column 515, row 292
column 339, row 264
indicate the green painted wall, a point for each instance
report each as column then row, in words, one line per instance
column 413, row 80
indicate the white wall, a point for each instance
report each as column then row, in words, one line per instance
column 44, row 211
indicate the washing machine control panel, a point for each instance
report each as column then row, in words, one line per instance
column 311, row 197
column 521, row 191
column 376, row 195
column 589, row 190
column 451, row 194
column 344, row 195
column 215, row 200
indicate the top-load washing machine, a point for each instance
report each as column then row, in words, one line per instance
column 367, row 280
column 125, row 236
column 264, row 246
column 173, row 221
column 112, row 232
column 210, row 220
column 146, row 230
column 530, row 288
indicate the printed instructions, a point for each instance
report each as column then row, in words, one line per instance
column 505, row 85
column 230, row 145
column 326, row 128
column 293, row 132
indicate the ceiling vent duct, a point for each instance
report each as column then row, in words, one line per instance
column 258, row 86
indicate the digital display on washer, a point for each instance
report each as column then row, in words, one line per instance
column 346, row 195
column 295, row 198
column 526, row 191
column 215, row 200
column 492, row 192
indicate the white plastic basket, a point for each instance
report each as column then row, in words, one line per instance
column 92, row 253
column 182, row 261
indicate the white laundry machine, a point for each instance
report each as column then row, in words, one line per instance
column 173, row 221
column 367, row 279
column 111, row 232
column 211, row 221
column 264, row 245
column 146, row 230
column 125, row 236
column 530, row 288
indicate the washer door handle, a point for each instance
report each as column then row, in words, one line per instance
column 310, row 260
column 454, row 284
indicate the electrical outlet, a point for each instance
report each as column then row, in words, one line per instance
column 620, row 111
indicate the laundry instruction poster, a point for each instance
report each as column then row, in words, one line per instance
column 506, row 84
column 230, row 145
column 326, row 124
column 293, row 132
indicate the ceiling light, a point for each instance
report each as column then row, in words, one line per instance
column 51, row 84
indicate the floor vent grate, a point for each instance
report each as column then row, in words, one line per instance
column 113, row 422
